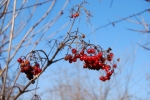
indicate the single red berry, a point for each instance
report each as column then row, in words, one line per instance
column 27, row 62
column 22, row 70
column 94, row 65
column 36, row 68
column 82, row 52
column 74, row 59
column 114, row 66
column 39, row 70
column 111, row 55
column 96, row 62
column 70, row 56
column 84, row 57
column 66, row 57
column 89, row 51
column 100, row 54
column 109, row 73
column 26, row 68
column 77, row 55
column 89, row 58
column 74, row 51
column 37, row 64
column 93, row 51
column 81, row 58
column 112, row 70
column 70, row 60
column 109, row 59
column 102, row 78
column 100, row 64
column 106, row 78
column 93, row 58
column 19, row 60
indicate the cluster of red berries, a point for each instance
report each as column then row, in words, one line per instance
column 94, row 60
column 74, row 15
column 28, row 69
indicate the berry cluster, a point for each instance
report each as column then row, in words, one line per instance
column 94, row 59
column 74, row 15
column 28, row 69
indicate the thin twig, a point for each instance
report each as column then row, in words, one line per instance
column 114, row 22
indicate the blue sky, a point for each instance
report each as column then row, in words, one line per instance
column 122, row 41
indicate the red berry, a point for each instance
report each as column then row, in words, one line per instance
column 100, row 64
column 96, row 62
column 26, row 68
column 106, row 78
column 77, row 55
column 102, row 78
column 109, row 73
column 89, row 51
column 112, row 70
column 36, row 68
column 81, row 58
column 27, row 62
column 114, row 66
column 70, row 56
column 111, row 55
column 74, row 51
column 39, row 70
column 93, row 51
column 37, row 64
column 70, row 60
column 109, row 59
column 74, row 59
column 66, row 57
column 82, row 52
column 93, row 58
column 22, row 70
column 100, row 54
column 19, row 60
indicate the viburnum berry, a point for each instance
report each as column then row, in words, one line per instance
column 82, row 52
column 39, row 70
column 83, row 36
column 70, row 60
column 114, row 66
column 19, row 60
column 74, row 59
column 74, row 51
column 102, row 78
column 37, row 64
column 27, row 62
column 66, row 57
column 93, row 51
column 70, row 56
column 81, row 58
column 75, row 15
column 100, row 54
column 109, row 73
column 111, row 55
column 89, row 51
column 77, row 55
column 22, row 65
column 26, row 68
column 22, row 70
